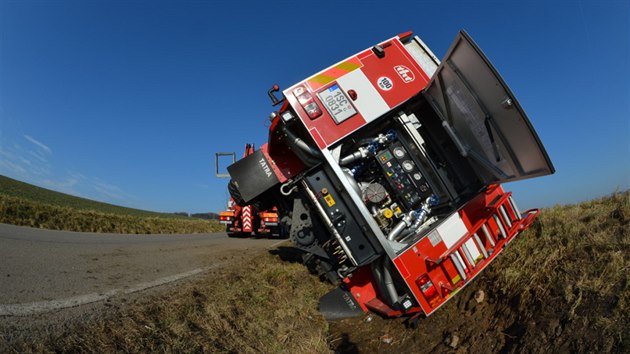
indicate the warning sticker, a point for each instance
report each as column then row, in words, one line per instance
column 329, row 200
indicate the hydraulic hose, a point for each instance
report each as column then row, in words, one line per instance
column 413, row 219
column 305, row 152
column 402, row 224
column 372, row 146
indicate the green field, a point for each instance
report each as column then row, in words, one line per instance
column 27, row 205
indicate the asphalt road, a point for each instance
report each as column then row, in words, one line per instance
column 45, row 270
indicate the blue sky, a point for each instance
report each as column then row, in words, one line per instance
column 127, row 101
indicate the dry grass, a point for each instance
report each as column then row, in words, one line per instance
column 573, row 265
column 26, row 212
column 561, row 286
column 263, row 306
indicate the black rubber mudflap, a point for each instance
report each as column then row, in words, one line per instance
column 339, row 304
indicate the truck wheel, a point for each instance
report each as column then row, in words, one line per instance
column 263, row 203
column 235, row 194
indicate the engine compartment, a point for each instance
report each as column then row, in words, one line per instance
column 398, row 169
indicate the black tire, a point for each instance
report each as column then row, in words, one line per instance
column 263, row 202
column 235, row 194
column 228, row 232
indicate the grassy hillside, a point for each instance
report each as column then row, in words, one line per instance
column 13, row 188
column 562, row 286
column 27, row 205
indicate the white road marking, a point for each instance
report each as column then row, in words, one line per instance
column 38, row 307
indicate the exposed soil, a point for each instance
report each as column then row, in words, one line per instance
column 504, row 325
column 562, row 286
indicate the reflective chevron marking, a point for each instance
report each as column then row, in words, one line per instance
column 247, row 219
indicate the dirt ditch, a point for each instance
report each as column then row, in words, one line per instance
column 562, row 286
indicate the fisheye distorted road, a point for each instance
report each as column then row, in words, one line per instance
column 44, row 270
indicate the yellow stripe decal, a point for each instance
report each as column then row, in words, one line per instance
column 348, row 66
column 322, row 79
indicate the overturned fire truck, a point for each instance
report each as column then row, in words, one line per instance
column 386, row 171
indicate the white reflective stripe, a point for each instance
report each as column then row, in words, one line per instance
column 487, row 234
column 468, row 254
column 480, row 246
column 369, row 101
column 500, row 225
column 458, row 265
column 506, row 216
column 515, row 208
column 452, row 230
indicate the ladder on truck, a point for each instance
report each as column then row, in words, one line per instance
column 473, row 252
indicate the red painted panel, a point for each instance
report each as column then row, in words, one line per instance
column 283, row 162
column 435, row 262
column 406, row 82
column 361, row 286
column 398, row 66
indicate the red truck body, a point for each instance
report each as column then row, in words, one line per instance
column 386, row 170
column 243, row 220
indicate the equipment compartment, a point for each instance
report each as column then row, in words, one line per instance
column 408, row 172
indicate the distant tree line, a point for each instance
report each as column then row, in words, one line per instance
column 206, row 216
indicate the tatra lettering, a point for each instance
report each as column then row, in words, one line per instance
column 265, row 167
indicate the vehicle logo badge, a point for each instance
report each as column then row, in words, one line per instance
column 404, row 73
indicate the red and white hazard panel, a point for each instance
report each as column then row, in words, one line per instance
column 339, row 100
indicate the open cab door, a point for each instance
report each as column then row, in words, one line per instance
column 483, row 118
